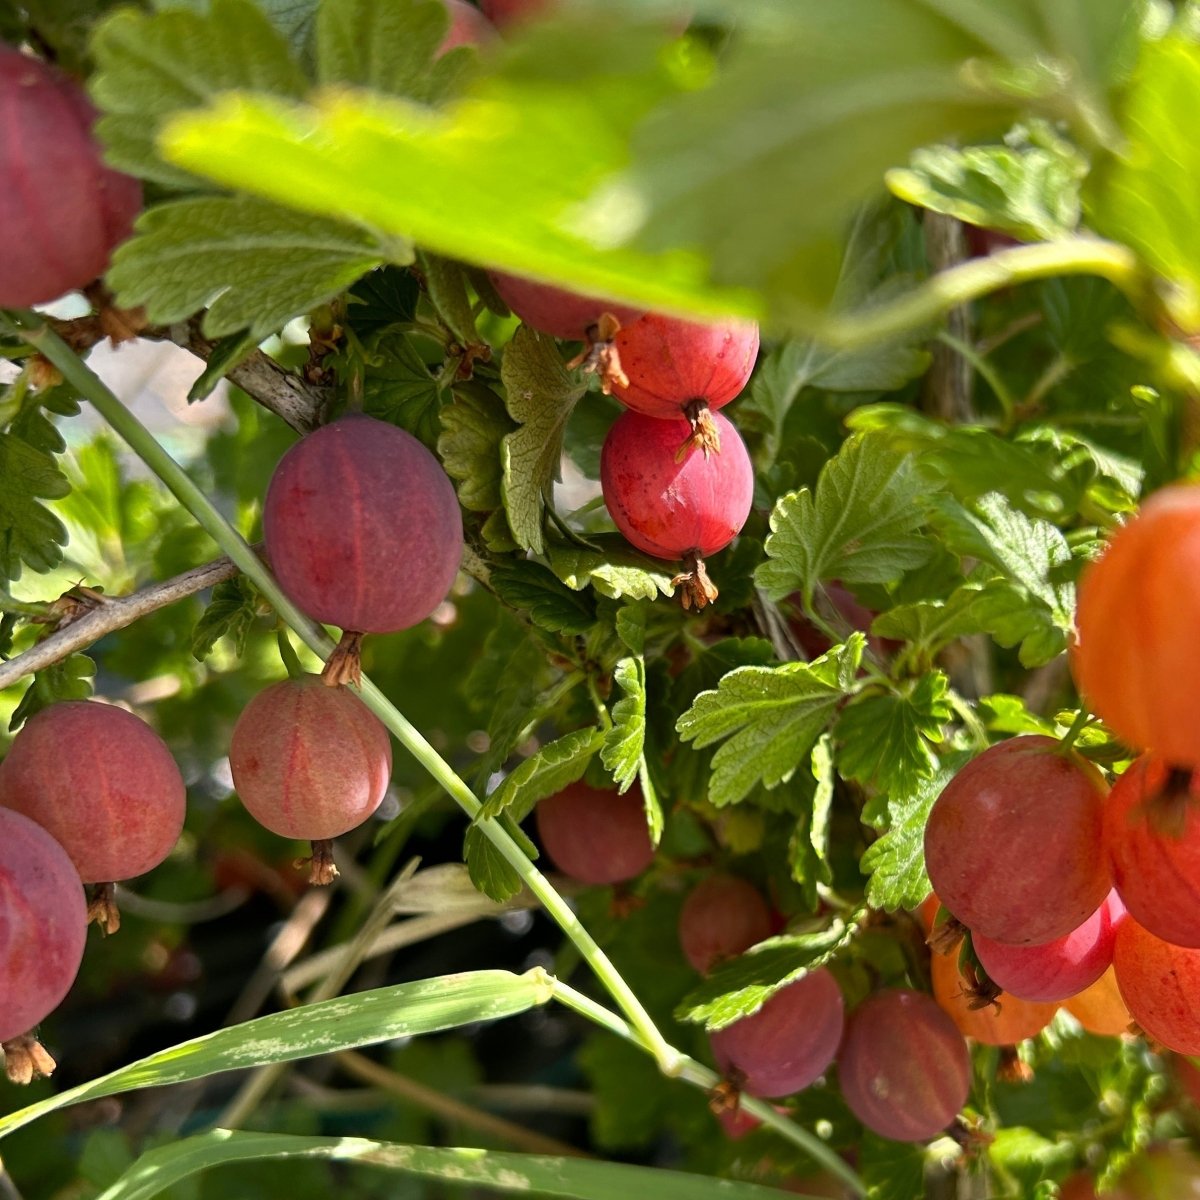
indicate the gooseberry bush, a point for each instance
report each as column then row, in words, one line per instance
column 599, row 580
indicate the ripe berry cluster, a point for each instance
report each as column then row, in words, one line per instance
column 676, row 475
column 903, row 1067
column 89, row 793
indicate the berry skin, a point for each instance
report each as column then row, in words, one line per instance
column 1159, row 983
column 596, row 837
column 1152, row 834
column 1011, row 843
column 672, row 364
column 1059, row 969
column 43, row 924
column 788, row 1043
column 552, row 310
column 1137, row 656
column 904, row 1068
column 670, row 508
column 309, row 761
column 503, row 13
column 722, row 917
column 468, row 27
column 362, row 526
column 1099, row 1008
column 101, row 782
column 62, row 211
column 1014, row 1020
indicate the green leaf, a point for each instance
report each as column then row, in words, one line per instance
column 1147, row 197
column 385, row 45
column 531, row 588
column 884, row 739
column 1029, row 189
column 400, row 389
column 614, row 570
column 626, row 740
column 630, row 624
column 490, row 871
column 895, row 863
column 473, row 428
column 30, row 535
column 68, row 679
column 741, row 986
column 541, row 393
column 768, row 719
column 446, row 283
column 808, row 847
column 252, row 264
column 362, row 1019
column 150, row 66
column 892, row 1170
column 543, row 774
column 1029, row 603
column 860, row 525
column 931, row 624
column 490, row 1170
column 230, row 613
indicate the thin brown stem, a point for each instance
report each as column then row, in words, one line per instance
column 110, row 614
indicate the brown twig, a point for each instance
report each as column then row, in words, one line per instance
column 110, row 614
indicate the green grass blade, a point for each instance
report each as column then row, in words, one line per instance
column 531, row 1174
column 359, row 1019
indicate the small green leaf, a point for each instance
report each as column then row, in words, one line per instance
column 861, row 524
column 151, row 66
column 530, row 587
column 30, row 535
column 400, row 389
column 884, row 739
column 1029, row 190
column 543, row 774
column 385, row 45
column 625, row 742
column 895, row 863
column 1029, row 603
column 490, row 871
column 931, row 624
column 892, row 1170
column 743, row 985
column 630, row 623
column 615, row 570
column 446, row 283
column 251, row 263
column 768, row 719
column 68, row 679
column 473, row 428
column 230, row 613
column 808, row 847
column 541, row 393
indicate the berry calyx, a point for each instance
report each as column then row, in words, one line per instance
column 682, row 368
column 1004, row 1022
column 62, row 210
column 1011, row 842
column 596, row 837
